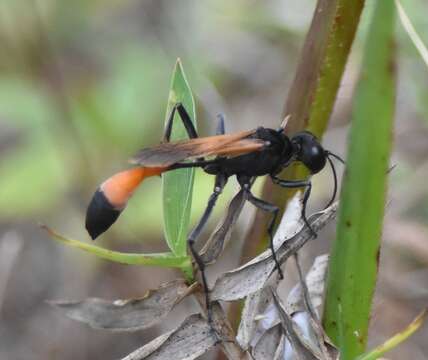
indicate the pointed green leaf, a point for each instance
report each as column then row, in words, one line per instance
column 178, row 184
column 397, row 339
column 355, row 253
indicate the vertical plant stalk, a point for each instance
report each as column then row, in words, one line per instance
column 312, row 94
column 309, row 103
column 355, row 253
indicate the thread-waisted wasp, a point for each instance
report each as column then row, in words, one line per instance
column 246, row 155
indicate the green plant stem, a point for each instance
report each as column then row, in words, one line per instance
column 355, row 253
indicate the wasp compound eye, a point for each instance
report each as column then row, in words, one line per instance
column 310, row 153
column 313, row 157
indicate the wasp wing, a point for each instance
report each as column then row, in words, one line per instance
column 170, row 153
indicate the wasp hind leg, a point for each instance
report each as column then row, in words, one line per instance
column 220, row 182
column 268, row 207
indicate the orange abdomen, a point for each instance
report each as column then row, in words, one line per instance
column 112, row 196
column 120, row 187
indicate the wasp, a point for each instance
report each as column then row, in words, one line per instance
column 245, row 155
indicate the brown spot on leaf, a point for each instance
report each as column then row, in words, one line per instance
column 378, row 257
column 360, row 338
column 391, row 60
column 338, row 19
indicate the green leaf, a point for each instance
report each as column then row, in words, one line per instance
column 411, row 31
column 178, row 184
column 156, row 259
column 355, row 253
column 397, row 339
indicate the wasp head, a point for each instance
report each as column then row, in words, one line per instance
column 309, row 151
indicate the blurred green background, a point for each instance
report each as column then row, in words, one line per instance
column 84, row 85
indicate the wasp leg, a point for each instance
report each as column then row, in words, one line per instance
column 220, row 182
column 268, row 207
column 297, row 184
column 185, row 118
column 221, row 130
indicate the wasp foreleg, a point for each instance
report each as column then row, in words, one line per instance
column 298, row 184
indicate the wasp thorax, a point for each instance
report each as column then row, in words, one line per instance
column 309, row 151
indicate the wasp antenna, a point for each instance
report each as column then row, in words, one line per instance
column 333, row 169
column 337, row 157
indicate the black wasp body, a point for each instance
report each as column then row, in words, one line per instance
column 276, row 152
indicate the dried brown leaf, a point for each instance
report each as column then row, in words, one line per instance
column 315, row 281
column 315, row 325
column 126, row 315
column 252, row 276
column 303, row 349
column 191, row 339
column 223, row 231
column 268, row 344
column 255, row 305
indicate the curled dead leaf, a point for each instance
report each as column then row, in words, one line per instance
column 129, row 314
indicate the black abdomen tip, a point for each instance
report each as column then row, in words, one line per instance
column 100, row 215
